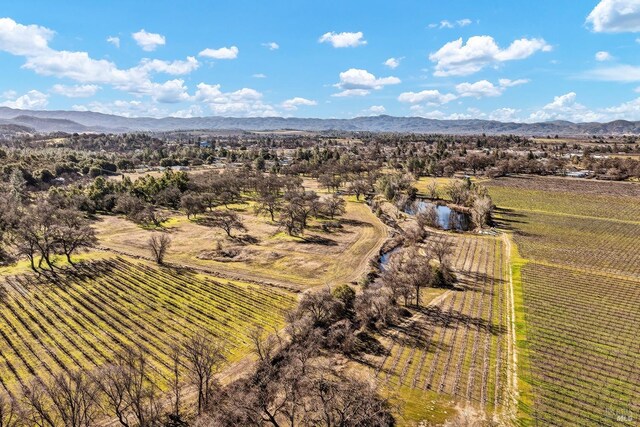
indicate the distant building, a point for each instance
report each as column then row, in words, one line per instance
column 179, row 168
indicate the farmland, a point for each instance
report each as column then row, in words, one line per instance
column 456, row 345
column 576, row 269
column 80, row 319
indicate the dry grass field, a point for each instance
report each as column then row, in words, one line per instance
column 264, row 252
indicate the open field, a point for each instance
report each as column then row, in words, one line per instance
column 79, row 320
column 456, row 346
column 576, row 274
column 264, row 253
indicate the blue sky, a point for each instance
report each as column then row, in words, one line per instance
column 504, row 60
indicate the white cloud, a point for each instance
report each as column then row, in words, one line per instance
column 343, row 39
column 485, row 88
column 357, row 82
column 511, row 83
column 124, row 108
column 618, row 73
column 377, row 109
column 615, row 16
column 114, row 40
column 504, row 115
column 171, row 91
column 293, row 103
column 31, row 42
column 23, row 40
column 243, row 102
column 31, row 100
column 480, row 89
column 458, row 59
column 565, row 107
column 177, row 67
column 271, row 45
column 259, row 76
column 445, row 24
column 625, row 111
column 603, row 56
column 9, row 94
column 221, row 53
column 432, row 97
column 392, row 62
column 637, row 89
column 148, row 41
column 448, row 24
column 351, row 92
column 77, row 91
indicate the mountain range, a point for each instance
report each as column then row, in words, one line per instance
column 86, row 121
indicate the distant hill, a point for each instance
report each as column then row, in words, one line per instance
column 86, row 121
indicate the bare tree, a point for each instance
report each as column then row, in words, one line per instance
column 334, row 205
column 75, row 398
column 432, row 190
column 481, row 211
column 73, row 233
column 204, row 356
column 9, row 412
column 226, row 220
column 192, row 204
column 268, row 203
column 442, row 248
column 128, row 393
column 158, row 245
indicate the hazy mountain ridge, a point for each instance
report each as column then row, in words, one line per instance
column 86, row 121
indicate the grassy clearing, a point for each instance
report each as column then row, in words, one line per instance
column 577, row 298
column 80, row 320
column 264, row 253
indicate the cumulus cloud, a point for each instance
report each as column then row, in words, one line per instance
column 271, row 45
column 259, row 76
column 480, row 89
column 148, row 41
column 392, row 63
column 457, row 58
column 221, row 53
column 357, row 82
column 114, row 40
column 504, row 115
column 603, row 56
column 343, row 39
column 293, row 103
column 23, row 40
column 76, row 91
column 242, row 102
column 431, row 97
column 615, row 16
column 31, row 100
column 565, row 107
column 31, row 42
column 377, row 109
column 177, row 67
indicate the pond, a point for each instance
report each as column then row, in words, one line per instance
column 385, row 257
column 448, row 219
